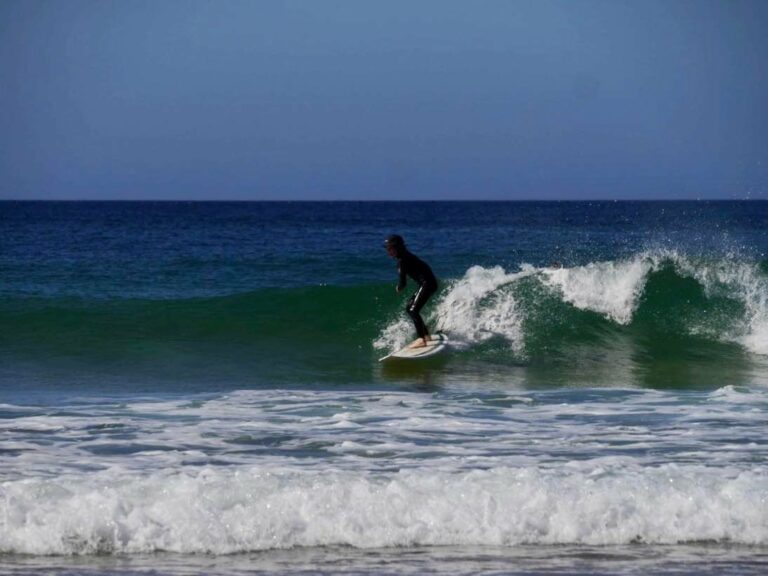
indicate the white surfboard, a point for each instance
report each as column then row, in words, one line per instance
column 435, row 345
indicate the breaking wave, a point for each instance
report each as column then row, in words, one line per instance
column 650, row 311
column 663, row 292
column 223, row 511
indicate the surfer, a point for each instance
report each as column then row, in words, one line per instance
column 410, row 265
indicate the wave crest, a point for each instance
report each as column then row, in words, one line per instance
column 492, row 302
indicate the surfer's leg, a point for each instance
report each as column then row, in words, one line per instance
column 415, row 304
column 418, row 323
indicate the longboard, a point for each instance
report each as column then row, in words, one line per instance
column 435, row 345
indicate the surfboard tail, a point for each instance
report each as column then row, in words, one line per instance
column 436, row 344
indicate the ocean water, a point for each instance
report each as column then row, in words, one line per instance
column 194, row 388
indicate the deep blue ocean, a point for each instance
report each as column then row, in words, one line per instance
column 194, row 388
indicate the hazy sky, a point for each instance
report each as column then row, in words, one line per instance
column 432, row 99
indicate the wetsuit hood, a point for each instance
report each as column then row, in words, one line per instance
column 395, row 240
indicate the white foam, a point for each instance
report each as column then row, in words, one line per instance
column 225, row 511
column 35, row 424
column 733, row 278
column 482, row 305
column 552, row 467
column 395, row 335
column 736, row 395
column 472, row 309
column 608, row 288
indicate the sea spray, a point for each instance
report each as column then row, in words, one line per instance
column 481, row 305
column 744, row 281
column 472, row 309
column 608, row 288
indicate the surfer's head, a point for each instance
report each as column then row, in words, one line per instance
column 395, row 245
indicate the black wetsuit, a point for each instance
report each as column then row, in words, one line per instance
column 421, row 273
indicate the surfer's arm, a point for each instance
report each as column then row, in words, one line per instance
column 402, row 279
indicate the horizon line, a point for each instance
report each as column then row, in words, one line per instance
column 374, row 201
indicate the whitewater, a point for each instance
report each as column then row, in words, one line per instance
column 373, row 470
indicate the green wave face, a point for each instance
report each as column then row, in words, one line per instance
column 268, row 337
column 657, row 319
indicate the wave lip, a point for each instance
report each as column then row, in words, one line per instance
column 225, row 511
column 608, row 288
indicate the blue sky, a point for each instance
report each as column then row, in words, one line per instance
column 539, row 99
